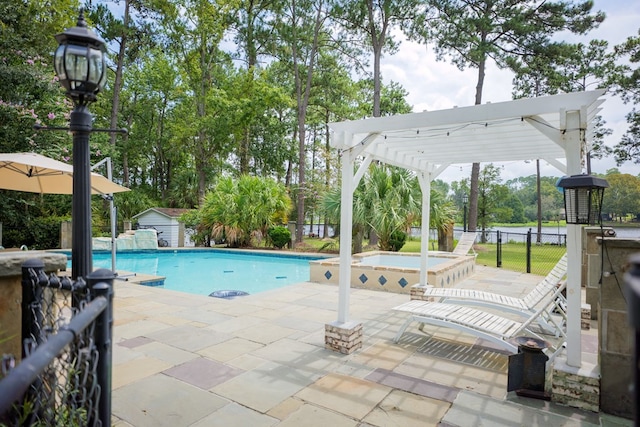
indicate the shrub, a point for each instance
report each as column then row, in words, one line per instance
column 37, row 233
column 279, row 236
column 397, row 240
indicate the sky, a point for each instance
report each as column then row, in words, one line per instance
column 436, row 85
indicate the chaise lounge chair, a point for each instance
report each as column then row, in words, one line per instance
column 492, row 327
column 465, row 244
column 540, row 295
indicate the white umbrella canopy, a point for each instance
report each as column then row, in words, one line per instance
column 35, row 173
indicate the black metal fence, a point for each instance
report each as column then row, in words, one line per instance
column 64, row 376
column 528, row 252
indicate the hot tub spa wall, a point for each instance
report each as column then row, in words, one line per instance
column 394, row 279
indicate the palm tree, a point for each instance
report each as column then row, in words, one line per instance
column 388, row 200
column 239, row 210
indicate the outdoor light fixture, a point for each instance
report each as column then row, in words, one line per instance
column 583, row 196
column 79, row 62
column 80, row 65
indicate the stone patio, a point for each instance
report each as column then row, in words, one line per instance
column 260, row 360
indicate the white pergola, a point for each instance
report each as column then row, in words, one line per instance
column 552, row 128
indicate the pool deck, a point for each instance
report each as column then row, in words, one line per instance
column 188, row 360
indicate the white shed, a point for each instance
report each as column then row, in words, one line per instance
column 165, row 221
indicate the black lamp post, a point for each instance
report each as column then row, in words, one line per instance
column 80, row 66
column 465, row 199
column 583, row 196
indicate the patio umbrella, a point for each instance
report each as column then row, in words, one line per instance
column 35, row 173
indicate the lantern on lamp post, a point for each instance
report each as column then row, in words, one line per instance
column 80, row 66
column 583, row 195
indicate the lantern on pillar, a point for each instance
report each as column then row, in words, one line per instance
column 583, row 196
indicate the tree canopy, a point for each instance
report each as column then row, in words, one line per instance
column 216, row 90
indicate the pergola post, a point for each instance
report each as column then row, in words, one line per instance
column 346, row 236
column 573, row 139
column 343, row 335
column 425, row 186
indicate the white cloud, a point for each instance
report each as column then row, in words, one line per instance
column 436, row 85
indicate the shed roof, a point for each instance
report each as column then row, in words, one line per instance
column 168, row 212
column 523, row 129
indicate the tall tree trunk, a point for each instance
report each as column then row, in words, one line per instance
column 475, row 168
column 126, row 178
column 327, row 167
column 117, row 85
column 244, row 151
column 302, row 96
column 538, row 239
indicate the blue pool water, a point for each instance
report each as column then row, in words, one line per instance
column 204, row 271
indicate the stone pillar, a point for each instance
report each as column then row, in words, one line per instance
column 591, row 260
column 65, row 235
column 180, row 235
column 11, row 294
column 343, row 337
column 575, row 387
column 126, row 225
column 615, row 347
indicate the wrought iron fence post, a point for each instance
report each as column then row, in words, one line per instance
column 498, row 248
column 529, row 251
column 32, row 320
column 101, row 284
column 632, row 291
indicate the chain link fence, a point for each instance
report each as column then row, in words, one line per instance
column 63, row 376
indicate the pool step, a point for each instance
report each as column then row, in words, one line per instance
column 127, row 276
column 140, row 279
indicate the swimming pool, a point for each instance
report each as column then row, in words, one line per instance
column 204, row 271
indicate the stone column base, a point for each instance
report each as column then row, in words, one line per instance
column 576, row 387
column 585, row 316
column 417, row 292
column 343, row 337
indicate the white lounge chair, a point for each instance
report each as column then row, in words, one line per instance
column 465, row 244
column 540, row 295
column 492, row 327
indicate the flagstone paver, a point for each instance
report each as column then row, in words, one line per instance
column 404, row 409
column 160, row 400
column 203, row 372
column 344, row 394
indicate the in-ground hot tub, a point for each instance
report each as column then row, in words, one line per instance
column 395, row 272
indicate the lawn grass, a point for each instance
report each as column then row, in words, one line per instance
column 514, row 256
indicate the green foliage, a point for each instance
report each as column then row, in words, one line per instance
column 561, row 68
column 397, row 240
column 623, row 195
column 131, row 203
column 627, row 84
column 388, row 200
column 279, row 236
column 192, row 220
column 238, row 210
column 37, row 233
column 490, row 194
